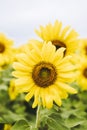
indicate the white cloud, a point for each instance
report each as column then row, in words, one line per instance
column 19, row 18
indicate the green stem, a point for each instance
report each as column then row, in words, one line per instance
column 38, row 117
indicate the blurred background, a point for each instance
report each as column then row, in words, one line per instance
column 19, row 18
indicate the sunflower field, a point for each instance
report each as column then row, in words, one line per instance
column 43, row 83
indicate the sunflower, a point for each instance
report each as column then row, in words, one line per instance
column 25, row 48
column 12, row 90
column 7, row 127
column 43, row 73
column 82, row 73
column 83, row 47
column 29, row 45
column 17, row 50
column 6, row 51
column 59, row 37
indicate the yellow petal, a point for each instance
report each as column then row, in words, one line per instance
column 48, row 99
column 64, row 32
column 36, row 97
column 30, row 94
column 24, row 59
column 55, row 95
column 23, row 81
column 48, row 51
column 20, row 67
column 58, row 55
column 62, row 93
column 59, row 28
column 71, row 35
column 67, row 88
column 19, row 74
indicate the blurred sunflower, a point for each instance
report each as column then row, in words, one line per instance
column 12, row 90
column 6, row 50
column 29, row 45
column 17, row 50
column 59, row 37
column 25, row 48
column 44, row 74
column 82, row 73
column 83, row 47
column 7, row 127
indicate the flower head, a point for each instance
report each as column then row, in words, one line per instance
column 6, row 51
column 12, row 90
column 59, row 37
column 83, row 47
column 82, row 73
column 44, row 73
column 7, row 127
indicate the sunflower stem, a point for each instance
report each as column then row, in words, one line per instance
column 38, row 116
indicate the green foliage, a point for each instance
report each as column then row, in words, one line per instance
column 72, row 115
column 23, row 125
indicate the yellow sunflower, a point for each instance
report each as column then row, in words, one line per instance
column 17, row 50
column 82, row 73
column 83, row 47
column 59, row 37
column 25, row 48
column 6, row 51
column 12, row 90
column 44, row 74
column 7, row 127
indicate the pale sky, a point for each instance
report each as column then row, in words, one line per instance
column 19, row 18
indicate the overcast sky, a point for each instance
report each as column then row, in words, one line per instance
column 19, row 18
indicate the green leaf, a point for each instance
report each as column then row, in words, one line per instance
column 21, row 125
column 9, row 117
column 73, row 121
column 82, row 126
column 4, row 98
column 55, row 125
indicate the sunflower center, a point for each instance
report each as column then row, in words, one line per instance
column 85, row 72
column 58, row 44
column 2, row 48
column 44, row 74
